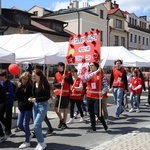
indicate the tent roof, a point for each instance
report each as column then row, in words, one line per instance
column 142, row 53
column 34, row 48
column 129, row 59
column 6, row 56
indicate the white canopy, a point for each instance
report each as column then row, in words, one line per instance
column 6, row 56
column 129, row 59
column 34, row 48
column 142, row 53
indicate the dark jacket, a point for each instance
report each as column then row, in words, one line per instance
column 41, row 94
column 9, row 91
column 2, row 94
column 22, row 94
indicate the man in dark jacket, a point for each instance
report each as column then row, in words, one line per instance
column 3, row 137
column 7, row 108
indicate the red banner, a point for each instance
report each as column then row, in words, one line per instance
column 84, row 48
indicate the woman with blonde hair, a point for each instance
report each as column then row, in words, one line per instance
column 23, row 92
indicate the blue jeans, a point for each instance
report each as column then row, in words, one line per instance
column 137, row 99
column 93, row 108
column 118, row 97
column 23, row 122
column 39, row 113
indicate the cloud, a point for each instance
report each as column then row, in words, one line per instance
column 138, row 7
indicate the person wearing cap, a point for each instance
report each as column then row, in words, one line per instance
column 118, row 85
column 62, row 82
column 135, row 88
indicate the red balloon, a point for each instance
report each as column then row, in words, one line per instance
column 14, row 69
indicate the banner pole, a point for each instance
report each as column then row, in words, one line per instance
column 61, row 91
column 100, row 86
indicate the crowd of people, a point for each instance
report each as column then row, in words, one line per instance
column 33, row 92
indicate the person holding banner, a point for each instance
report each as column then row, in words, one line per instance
column 118, row 83
column 93, row 80
column 62, row 82
column 76, row 95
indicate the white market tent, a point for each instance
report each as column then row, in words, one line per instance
column 129, row 59
column 33, row 48
column 6, row 56
column 142, row 53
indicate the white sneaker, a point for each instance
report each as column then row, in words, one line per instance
column 70, row 121
column 42, row 146
column 24, row 145
column 37, row 147
column 81, row 119
column 75, row 115
column 107, row 121
column 131, row 110
column 85, row 113
column 3, row 138
column 138, row 110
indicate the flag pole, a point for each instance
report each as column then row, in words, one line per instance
column 61, row 90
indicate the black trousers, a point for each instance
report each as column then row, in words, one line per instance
column 93, row 108
column 78, row 104
column 6, row 111
column 48, row 123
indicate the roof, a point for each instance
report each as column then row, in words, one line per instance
column 41, row 8
column 72, row 10
column 112, row 11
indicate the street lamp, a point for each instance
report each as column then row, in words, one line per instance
column 107, row 18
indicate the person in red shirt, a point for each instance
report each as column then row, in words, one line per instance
column 76, row 91
column 97, row 85
column 62, row 83
column 135, row 87
column 118, row 85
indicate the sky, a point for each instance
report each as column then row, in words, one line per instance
column 138, row 7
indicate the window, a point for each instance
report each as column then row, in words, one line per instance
column 118, row 24
column 22, row 19
column 146, row 41
column 139, row 39
column 131, row 37
column 116, row 40
column 102, row 14
column 130, row 20
column 135, row 39
column 57, row 27
column 143, row 40
column 123, row 41
column 140, row 24
column 135, row 22
column 35, row 13
column 101, row 36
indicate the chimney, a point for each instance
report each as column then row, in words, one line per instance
column 75, row 4
column 108, row 4
column 145, row 17
column 115, row 5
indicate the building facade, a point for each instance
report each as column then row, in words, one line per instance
column 139, row 31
